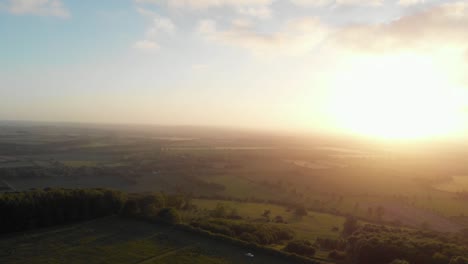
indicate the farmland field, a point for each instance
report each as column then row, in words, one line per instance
column 115, row 240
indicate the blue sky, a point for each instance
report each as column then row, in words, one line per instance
column 256, row 63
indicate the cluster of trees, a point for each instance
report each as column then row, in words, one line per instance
column 41, row 208
column 291, row 257
column 459, row 260
column 455, row 260
column 277, row 219
column 300, row 247
column 331, row 243
column 376, row 212
column 262, row 234
column 380, row 244
column 350, row 226
column 223, row 211
column 157, row 207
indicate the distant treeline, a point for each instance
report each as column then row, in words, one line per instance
column 42, row 208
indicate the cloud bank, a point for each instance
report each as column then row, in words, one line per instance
column 158, row 25
column 38, row 7
column 443, row 27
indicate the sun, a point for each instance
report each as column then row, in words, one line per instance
column 395, row 97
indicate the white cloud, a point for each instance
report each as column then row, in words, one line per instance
column 203, row 4
column 260, row 9
column 440, row 27
column 261, row 12
column 147, row 45
column 360, row 2
column 158, row 25
column 319, row 3
column 241, row 23
column 207, row 27
column 312, row 3
column 296, row 37
column 38, row 7
column 410, row 2
column 200, row 67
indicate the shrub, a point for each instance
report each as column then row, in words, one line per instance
column 301, row 247
column 399, row 261
column 459, row 260
column 337, row 255
column 169, row 216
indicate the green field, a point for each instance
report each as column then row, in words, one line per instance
column 309, row 227
column 116, row 240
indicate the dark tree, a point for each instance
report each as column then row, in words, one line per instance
column 300, row 247
column 350, row 225
column 300, row 211
column 169, row 216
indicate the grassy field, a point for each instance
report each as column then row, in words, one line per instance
column 309, row 227
column 114, row 240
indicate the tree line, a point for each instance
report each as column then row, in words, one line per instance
column 43, row 208
column 22, row 211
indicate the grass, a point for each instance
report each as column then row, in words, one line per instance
column 241, row 187
column 310, row 227
column 115, row 240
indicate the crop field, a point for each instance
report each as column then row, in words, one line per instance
column 115, row 240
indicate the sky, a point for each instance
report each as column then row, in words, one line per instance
column 391, row 68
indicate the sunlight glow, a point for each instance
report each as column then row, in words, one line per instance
column 396, row 97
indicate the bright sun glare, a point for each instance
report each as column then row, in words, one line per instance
column 398, row 97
